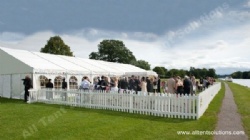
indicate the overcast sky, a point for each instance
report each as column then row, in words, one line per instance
column 169, row 33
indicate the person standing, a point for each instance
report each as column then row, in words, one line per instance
column 85, row 84
column 64, row 84
column 159, row 85
column 179, row 86
column 171, row 85
column 155, row 85
column 114, row 84
column 132, row 84
column 123, row 85
column 49, row 86
column 143, row 86
column 150, row 85
column 193, row 87
column 103, row 83
column 27, row 85
column 186, row 85
column 137, row 84
column 64, row 87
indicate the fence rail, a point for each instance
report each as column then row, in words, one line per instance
column 156, row 104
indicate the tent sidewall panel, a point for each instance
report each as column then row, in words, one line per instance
column 1, row 85
column 7, row 86
column 17, row 90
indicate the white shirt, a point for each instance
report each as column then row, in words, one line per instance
column 85, row 84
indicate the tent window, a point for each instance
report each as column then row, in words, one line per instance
column 43, row 81
column 58, row 82
column 73, row 82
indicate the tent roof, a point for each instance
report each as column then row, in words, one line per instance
column 145, row 73
column 48, row 63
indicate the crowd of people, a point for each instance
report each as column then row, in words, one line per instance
column 187, row 85
column 174, row 85
column 123, row 84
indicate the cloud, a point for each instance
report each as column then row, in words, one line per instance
column 11, row 37
column 221, row 43
column 206, row 18
column 247, row 4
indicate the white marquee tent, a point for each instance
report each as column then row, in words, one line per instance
column 15, row 64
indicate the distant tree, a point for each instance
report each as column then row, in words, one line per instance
column 182, row 73
column 245, row 75
column 173, row 72
column 94, row 55
column 142, row 64
column 160, row 71
column 197, row 74
column 55, row 45
column 192, row 71
column 113, row 51
column 237, row 75
column 211, row 73
column 203, row 72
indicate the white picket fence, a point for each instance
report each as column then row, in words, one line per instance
column 205, row 97
column 156, row 104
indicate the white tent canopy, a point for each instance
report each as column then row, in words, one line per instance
column 144, row 73
column 47, row 63
column 15, row 64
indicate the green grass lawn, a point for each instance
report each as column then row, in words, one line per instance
column 43, row 121
column 242, row 99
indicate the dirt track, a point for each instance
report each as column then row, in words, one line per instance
column 229, row 119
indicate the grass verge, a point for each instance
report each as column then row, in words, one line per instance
column 43, row 121
column 242, row 99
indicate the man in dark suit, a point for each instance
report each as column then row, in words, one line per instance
column 148, row 84
column 27, row 85
column 132, row 84
column 159, row 85
column 123, row 85
column 49, row 86
column 137, row 85
column 64, row 86
column 103, row 83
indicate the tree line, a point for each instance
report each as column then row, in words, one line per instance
column 197, row 72
column 116, row 51
column 241, row 75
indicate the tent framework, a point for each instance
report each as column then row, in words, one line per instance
column 16, row 64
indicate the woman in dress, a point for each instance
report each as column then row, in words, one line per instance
column 179, row 86
column 143, row 85
column 114, row 84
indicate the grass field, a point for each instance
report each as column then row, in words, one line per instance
column 242, row 99
column 42, row 121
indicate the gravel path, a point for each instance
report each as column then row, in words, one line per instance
column 229, row 119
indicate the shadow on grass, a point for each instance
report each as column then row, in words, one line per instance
column 100, row 111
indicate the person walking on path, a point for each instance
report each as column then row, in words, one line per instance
column 229, row 120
